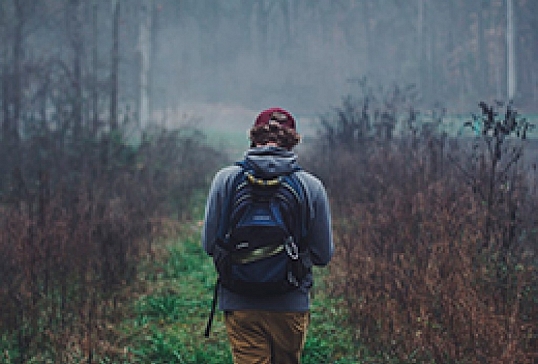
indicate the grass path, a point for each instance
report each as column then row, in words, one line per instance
column 169, row 318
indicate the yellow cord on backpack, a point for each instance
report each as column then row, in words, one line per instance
column 262, row 182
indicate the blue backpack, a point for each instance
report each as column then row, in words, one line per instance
column 260, row 249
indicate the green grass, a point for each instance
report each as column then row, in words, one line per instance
column 168, row 322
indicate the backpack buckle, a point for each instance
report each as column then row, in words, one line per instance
column 291, row 248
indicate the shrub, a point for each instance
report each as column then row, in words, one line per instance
column 75, row 219
column 415, row 262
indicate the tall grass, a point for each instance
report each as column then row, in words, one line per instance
column 436, row 256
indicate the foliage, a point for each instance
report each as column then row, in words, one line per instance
column 76, row 216
column 373, row 114
column 493, row 169
column 178, row 162
column 414, row 265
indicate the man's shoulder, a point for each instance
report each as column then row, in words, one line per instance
column 224, row 176
column 227, row 171
column 308, row 178
column 312, row 184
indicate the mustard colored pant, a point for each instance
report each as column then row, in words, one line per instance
column 265, row 337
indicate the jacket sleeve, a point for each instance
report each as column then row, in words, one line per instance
column 320, row 238
column 214, row 205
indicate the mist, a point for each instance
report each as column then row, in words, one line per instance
column 223, row 61
column 220, row 62
column 112, row 114
column 304, row 55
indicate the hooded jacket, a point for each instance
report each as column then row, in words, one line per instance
column 269, row 162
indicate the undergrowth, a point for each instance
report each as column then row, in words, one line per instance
column 168, row 320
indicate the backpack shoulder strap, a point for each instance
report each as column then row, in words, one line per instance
column 295, row 183
column 221, row 234
column 247, row 172
column 227, row 205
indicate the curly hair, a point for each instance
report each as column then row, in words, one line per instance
column 276, row 133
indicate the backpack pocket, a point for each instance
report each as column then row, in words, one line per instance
column 262, row 277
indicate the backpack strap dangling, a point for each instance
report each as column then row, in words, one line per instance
column 213, row 308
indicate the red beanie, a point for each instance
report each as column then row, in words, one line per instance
column 277, row 114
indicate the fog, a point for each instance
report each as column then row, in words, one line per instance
column 94, row 191
column 227, row 64
column 222, row 61
column 303, row 55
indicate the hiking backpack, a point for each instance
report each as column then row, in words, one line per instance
column 260, row 249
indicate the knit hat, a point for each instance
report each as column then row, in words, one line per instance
column 277, row 114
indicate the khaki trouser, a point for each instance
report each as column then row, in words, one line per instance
column 264, row 337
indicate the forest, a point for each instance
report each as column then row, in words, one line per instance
column 418, row 116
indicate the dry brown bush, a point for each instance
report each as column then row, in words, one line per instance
column 73, row 230
column 431, row 269
column 416, row 285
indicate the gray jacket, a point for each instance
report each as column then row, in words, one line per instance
column 271, row 161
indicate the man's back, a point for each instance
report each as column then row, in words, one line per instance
column 271, row 328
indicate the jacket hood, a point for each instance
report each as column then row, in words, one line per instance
column 270, row 162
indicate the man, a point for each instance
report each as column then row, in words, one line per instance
column 271, row 330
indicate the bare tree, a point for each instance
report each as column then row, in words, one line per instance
column 77, row 45
column 510, row 44
column 145, row 58
column 114, row 68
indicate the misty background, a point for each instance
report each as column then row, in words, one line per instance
column 220, row 62
column 115, row 115
column 303, row 54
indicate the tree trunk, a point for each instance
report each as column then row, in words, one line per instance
column 510, row 50
column 264, row 21
column 114, row 66
column 482, row 64
column 286, row 18
column 145, row 58
column 76, row 43
column 368, row 35
column 95, row 101
column 12, row 126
